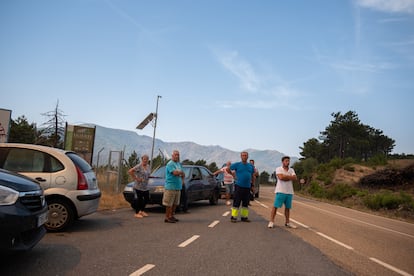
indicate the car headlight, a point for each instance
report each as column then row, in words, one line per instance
column 8, row 196
column 128, row 189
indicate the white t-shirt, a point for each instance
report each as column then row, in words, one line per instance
column 285, row 187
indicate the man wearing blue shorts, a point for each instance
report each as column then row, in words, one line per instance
column 284, row 191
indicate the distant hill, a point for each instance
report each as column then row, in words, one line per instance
column 124, row 140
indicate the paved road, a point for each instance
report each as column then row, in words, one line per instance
column 204, row 242
column 362, row 243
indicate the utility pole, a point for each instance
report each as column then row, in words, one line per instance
column 155, row 127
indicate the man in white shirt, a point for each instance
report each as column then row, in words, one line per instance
column 284, row 191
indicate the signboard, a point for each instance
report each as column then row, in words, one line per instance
column 80, row 139
column 5, row 117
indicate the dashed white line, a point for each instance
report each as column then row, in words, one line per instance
column 357, row 220
column 190, row 240
column 142, row 270
column 390, row 267
column 335, row 241
column 214, row 223
column 226, row 214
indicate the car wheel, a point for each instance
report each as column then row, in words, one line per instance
column 214, row 198
column 61, row 215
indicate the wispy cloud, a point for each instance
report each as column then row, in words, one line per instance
column 242, row 70
column 361, row 67
column 265, row 90
column 393, row 6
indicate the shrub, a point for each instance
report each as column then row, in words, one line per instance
column 388, row 200
column 316, row 190
column 341, row 192
column 349, row 168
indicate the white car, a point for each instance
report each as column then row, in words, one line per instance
column 69, row 183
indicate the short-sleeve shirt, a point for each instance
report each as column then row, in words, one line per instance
column 244, row 173
column 142, row 173
column 282, row 186
column 173, row 182
column 227, row 177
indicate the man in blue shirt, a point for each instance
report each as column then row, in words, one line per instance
column 174, row 179
column 245, row 176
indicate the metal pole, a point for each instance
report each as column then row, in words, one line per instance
column 155, row 127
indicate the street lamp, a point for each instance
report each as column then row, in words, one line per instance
column 147, row 120
column 155, row 127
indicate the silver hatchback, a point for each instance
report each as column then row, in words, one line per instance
column 69, row 183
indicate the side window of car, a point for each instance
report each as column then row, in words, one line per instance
column 55, row 165
column 24, row 160
column 205, row 173
column 196, row 174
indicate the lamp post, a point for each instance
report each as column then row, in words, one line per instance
column 155, row 127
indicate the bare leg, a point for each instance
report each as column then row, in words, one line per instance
column 168, row 212
column 173, row 210
column 273, row 214
column 287, row 213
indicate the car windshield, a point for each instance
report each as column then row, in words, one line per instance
column 160, row 172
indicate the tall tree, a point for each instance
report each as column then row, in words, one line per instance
column 346, row 137
column 22, row 132
column 54, row 128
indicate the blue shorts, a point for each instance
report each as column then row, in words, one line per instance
column 281, row 199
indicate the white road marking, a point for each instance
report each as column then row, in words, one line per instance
column 226, row 214
column 142, row 270
column 263, row 205
column 301, row 224
column 214, row 223
column 357, row 220
column 390, row 267
column 335, row 241
column 190, row 240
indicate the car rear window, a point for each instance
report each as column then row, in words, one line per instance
column 80, row 162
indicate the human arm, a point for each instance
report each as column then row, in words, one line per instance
column 286, row 177
column 132, row 173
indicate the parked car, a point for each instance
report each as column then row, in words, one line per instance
column 23, row 212
column 200, row 184
column 69, row 183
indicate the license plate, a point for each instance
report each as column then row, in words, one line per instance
column 42, row 219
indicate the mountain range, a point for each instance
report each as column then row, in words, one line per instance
column 110, row 142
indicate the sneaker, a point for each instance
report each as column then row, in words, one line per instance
column 175, row 219
column 245, row 220
column 270, row 225
column 233, row 219
column 138, row 215
column 288, row 225
column 169, row 220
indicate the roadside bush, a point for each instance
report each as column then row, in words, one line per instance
column 316, row 190
column 378, row 160
column 388, row 200
column 340, row 192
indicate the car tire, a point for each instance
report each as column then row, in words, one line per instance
column 214, row 198
column 61, row 215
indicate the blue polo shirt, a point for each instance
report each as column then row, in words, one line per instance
column 173, row 182
column 244, row 173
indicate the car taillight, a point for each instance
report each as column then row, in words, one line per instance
column 82, row 183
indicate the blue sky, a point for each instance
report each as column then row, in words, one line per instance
column 239, row 74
